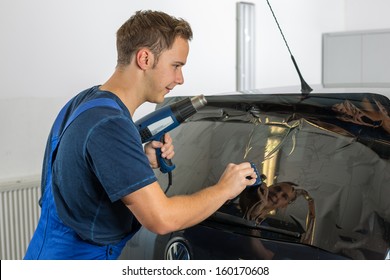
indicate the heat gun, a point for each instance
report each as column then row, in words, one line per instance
column 154, row 125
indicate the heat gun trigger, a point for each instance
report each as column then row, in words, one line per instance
column 166, row 165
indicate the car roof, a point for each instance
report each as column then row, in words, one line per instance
column 317, row 89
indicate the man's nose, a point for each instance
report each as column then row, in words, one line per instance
column 179, row 78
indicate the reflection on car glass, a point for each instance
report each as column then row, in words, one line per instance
column 260, row 202
column 369, row 115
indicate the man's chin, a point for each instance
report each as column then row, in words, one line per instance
column 157, row 99
column 160, row 100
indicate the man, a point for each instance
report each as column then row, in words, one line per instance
column 102, row 183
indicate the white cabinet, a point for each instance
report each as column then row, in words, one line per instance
column 356, row 59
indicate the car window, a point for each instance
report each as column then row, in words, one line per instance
column 321, row 182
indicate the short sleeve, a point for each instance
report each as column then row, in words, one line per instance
column 116, row 156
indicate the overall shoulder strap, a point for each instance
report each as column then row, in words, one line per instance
column 99, row 102
column 57, row 134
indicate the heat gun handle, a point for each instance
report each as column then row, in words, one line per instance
column 166, row 165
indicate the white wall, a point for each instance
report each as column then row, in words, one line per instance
column 367, row 15
column 51, row 50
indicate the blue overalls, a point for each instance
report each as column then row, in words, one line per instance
column 52, row 238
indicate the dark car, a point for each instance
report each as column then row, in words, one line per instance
column 325, row 158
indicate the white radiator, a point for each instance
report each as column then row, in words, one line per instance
column 19, row 214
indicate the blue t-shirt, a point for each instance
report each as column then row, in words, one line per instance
column 99, row 160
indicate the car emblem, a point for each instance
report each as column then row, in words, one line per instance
column 177, row 250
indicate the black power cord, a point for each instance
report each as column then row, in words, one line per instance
column 169, row 182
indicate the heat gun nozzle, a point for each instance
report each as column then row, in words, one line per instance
column 187, row 107
column 198, row 101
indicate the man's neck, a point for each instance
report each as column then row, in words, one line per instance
column 124, row 84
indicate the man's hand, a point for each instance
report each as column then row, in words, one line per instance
column 235, row 178
column 167, row 150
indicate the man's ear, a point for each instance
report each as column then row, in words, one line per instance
column 145, row 59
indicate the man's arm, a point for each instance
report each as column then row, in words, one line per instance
column 162, row 214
